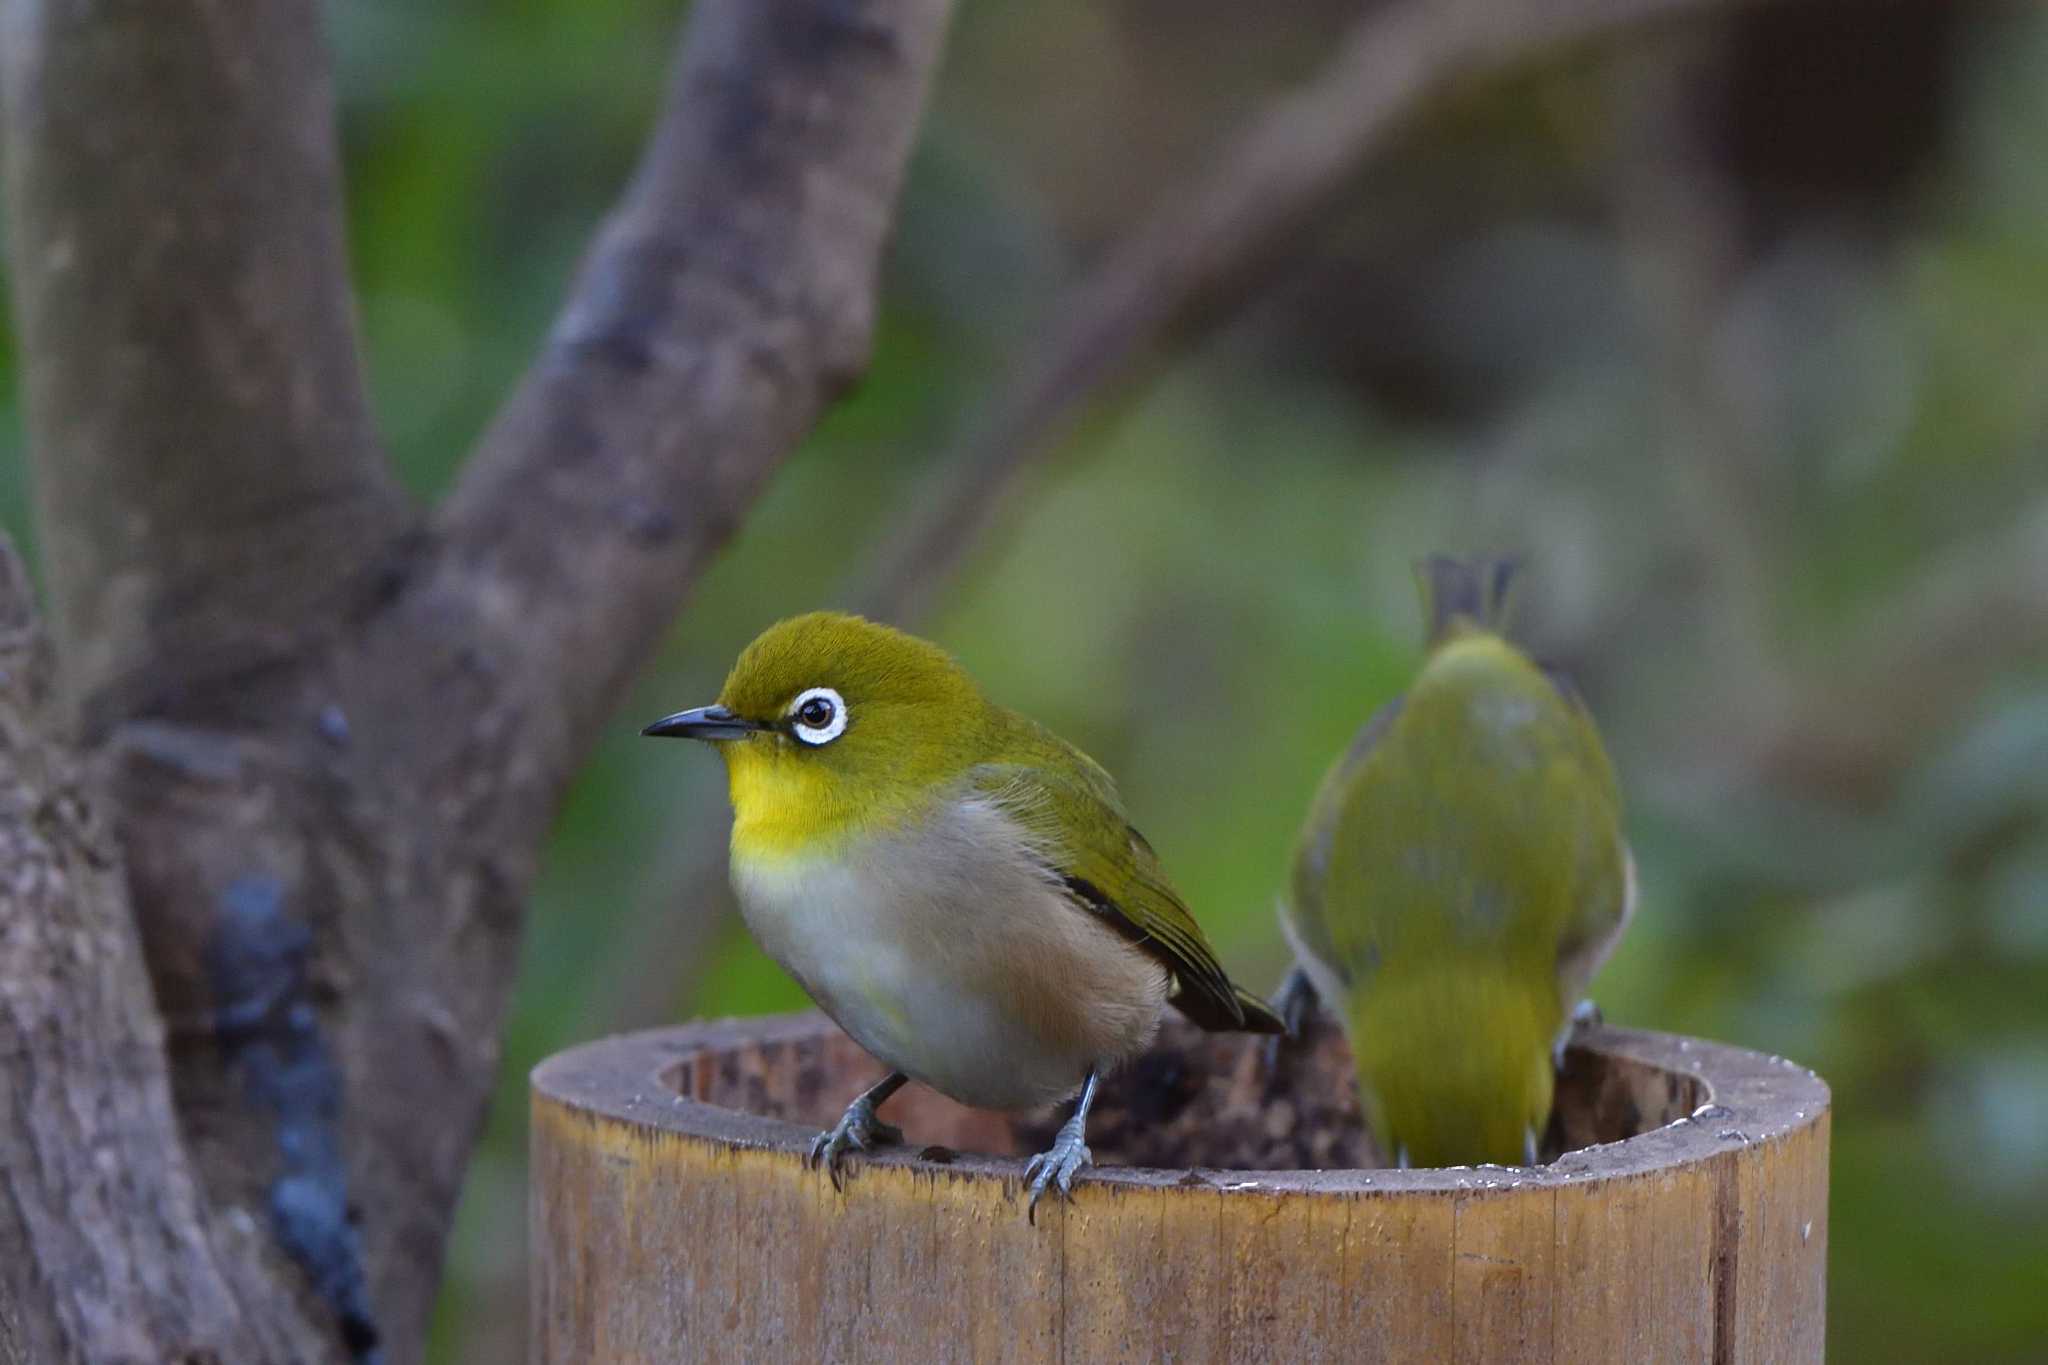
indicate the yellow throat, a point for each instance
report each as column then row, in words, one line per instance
column 784, row 808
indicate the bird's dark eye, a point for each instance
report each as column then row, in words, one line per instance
column 818, row 716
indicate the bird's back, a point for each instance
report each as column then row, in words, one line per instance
column 1450, row 855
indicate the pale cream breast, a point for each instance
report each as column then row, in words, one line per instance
column 946, row 950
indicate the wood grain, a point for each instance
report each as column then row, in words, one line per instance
column 673, row 1219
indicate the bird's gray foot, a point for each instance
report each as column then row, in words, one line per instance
column 1584, row 1015
column 1296, row 1003
column 858, row 1129
column 1058, row 1164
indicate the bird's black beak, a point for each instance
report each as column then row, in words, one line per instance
column 704, row 722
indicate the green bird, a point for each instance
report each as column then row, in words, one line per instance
column 1460, row 878
column 955, row 885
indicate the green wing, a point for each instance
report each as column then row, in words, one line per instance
column 1607, row 877
column 1069, row 808
column 1303, row 907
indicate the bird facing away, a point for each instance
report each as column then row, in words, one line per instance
column 955, row 885
column 1461, row 876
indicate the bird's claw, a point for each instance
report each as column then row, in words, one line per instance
column 1295, row 1002
column 1586, row 1014
column 1056, row 1166
column 859, row 1129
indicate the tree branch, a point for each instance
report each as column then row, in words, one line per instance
column 726, row 302
column 206, row 471
column 1847, row 726
column 1208, row 247
column 105, row 1249
column 1848, row 730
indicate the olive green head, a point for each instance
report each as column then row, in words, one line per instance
column 828, row 718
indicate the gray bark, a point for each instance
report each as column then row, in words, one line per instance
column 107, row 1249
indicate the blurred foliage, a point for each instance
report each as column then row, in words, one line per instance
column 1207, row 587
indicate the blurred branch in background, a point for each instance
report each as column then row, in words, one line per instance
column 1675, row 209
column 1182, row 270
column 1841, row 727
column 1207, row 248
column 1854, row 724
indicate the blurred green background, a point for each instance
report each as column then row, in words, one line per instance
column 1738, row 332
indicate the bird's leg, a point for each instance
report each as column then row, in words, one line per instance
column 1296, row 1003
column 858, row 1127
column 1585, row 1014
column 1068, row 1153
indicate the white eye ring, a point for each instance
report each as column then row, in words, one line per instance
column 834, row 726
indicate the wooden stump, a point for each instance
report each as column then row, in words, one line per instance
column 673, row 1218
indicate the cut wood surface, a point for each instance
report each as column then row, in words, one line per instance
column 674, row 1220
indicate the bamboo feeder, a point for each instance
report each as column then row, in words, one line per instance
column 674, row 1220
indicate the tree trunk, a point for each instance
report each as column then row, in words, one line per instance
column 330, row 730
column 107, row 1249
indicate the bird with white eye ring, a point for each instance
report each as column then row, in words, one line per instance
column 956, row 886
